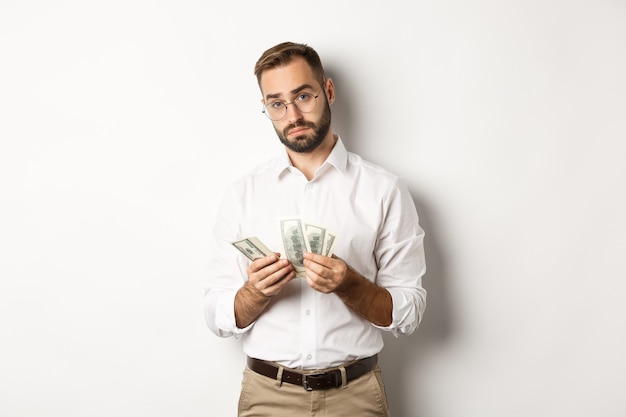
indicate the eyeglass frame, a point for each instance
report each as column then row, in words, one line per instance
column 291, row 102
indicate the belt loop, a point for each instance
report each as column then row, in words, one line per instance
column 344, row 378
column 279, row 376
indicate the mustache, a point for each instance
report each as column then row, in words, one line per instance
column 298, row 124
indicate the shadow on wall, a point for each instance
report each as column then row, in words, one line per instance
column 405, row 352
column 341, row 115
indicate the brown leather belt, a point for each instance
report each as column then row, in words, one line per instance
column 315, row 380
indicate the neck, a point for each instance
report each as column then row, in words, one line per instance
column 309, row 162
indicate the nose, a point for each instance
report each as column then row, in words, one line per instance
column 293, row 113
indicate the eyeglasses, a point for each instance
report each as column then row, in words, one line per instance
column 304, row 103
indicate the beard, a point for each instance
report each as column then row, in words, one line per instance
column 307, row 143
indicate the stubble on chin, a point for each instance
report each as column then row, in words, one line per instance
column 301, row 143
column 307, row 142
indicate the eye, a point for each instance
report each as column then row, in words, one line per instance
column 275, row 104
column 304, row 97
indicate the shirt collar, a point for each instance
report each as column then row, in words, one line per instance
column 338, row 158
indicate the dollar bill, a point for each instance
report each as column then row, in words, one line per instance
column 252, row 247
column 329, row 244
column 294, row 242
column 299, row 236
column 317, row 236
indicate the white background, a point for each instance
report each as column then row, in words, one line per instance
column 121, row 122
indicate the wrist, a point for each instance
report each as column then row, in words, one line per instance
column 350, row 280
column 253, row 293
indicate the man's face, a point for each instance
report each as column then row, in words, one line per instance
column 300, row 132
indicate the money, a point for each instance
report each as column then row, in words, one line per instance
column 252, row 247
column 316, row 235
column 329, row 244
column 299, row 236
column 294, row 242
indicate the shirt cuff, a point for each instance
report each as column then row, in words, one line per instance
column 405, row 314
column 225, row 317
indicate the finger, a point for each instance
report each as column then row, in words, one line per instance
column 261, row 263
column 265, row 272
column 277, row 281
column 282, row 266
column 322, row 262
column 314, row 257
column 318, row 283
column 263, row 267
column 315, row 268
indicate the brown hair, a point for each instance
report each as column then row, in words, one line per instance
column 283, row 53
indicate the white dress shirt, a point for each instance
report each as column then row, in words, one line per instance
column 378, row 235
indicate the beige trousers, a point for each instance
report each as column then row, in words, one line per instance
column 265, row 397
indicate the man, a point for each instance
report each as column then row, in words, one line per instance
column 312, row 338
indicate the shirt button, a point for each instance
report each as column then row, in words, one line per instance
column 308, row 357
column 308, row 312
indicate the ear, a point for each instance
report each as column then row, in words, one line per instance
column 329, row 86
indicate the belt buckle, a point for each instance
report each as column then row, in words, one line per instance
column 305, row 380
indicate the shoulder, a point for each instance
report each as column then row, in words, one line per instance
column 373, row 173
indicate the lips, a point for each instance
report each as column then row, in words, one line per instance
column 298, row 130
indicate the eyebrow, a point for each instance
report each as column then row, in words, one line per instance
column 293, row 92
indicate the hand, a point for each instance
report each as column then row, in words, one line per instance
column 328, row 275
column 323, row 273
column 266, row 277
column 270, row 274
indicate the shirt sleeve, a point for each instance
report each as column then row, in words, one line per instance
column 227, row 272
column 401, row 260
